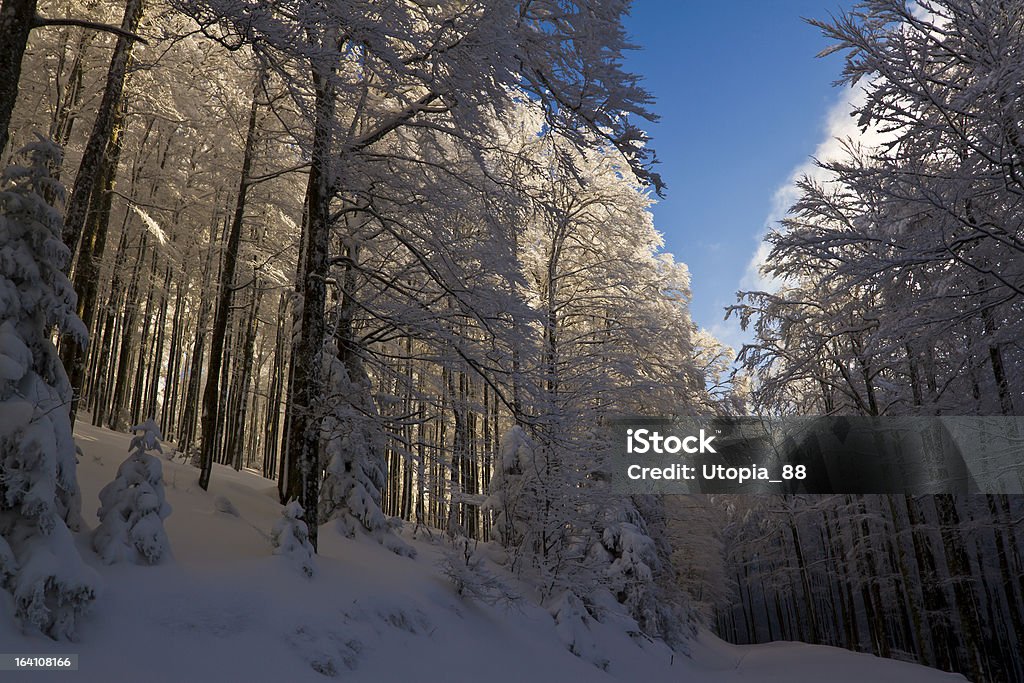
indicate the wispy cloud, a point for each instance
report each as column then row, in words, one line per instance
column 839, row 127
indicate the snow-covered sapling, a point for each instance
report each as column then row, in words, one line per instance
column 465, row 565
column 510, row 507
column 132, row 507
column 290, row 538
column 573, row 624
column 354, row 447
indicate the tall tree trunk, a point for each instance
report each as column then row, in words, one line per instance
column 94, row 241
column 157, row 359
column 211, row 394
column 805, row 581
column 139, row 383
column 16, row 19
column 936, row 607
column 959, row 574
column 119, row 400
column 245, row 372
column 168, row 424
column 271, row 448
column 88, row 179
column 304, row 427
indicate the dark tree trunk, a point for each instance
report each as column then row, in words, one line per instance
column 936, row 607
column 139, row 383
column 304, row 428
column 958, row 564
column 245, row 372
column 273, row 423
column 168, row 423
column 120, row 398
column 86, row 278
column 88, row 178
column 16, row 18
column 212, row 393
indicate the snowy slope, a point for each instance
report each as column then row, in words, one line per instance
column 224, row 609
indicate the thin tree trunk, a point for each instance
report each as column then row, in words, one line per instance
column 168, row 422
column 212, row 392
column 271, row 449
column 247, row 360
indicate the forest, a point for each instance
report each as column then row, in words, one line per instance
column 397, row 260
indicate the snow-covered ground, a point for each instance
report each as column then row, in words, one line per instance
column 225, row 609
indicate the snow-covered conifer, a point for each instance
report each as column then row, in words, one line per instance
column 515, row 457
column 39, row 564
column 572, row 623
column 354, row 446
column 132, row 507
column 290, row 538
column 636, row 556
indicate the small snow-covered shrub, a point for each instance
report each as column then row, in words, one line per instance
column 506, row 500
column 573, row 625
column 466, row 566
column 290, row 538
column 132, row 507
column 637, row 570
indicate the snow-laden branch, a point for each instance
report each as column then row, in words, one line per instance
column 40, row 22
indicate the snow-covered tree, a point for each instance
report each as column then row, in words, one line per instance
column 572, row 623
column 695, row 528
column 39, row 496
column 290, row 538
column 902, row 290
column 511, row 510
column 362, row 75
column 467, row 566
column 351, row 490
column 132, row 507
column 634, row 554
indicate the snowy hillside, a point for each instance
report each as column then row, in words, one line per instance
column 226, row 609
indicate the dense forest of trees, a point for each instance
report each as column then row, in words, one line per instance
column 351, row 247
column 900, row 294
column 397, row 256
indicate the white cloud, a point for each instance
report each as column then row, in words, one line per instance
column 729, row 333
column 839, row 127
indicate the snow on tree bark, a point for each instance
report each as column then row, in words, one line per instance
column 16, row 22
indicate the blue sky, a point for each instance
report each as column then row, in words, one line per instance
column 743, row 104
